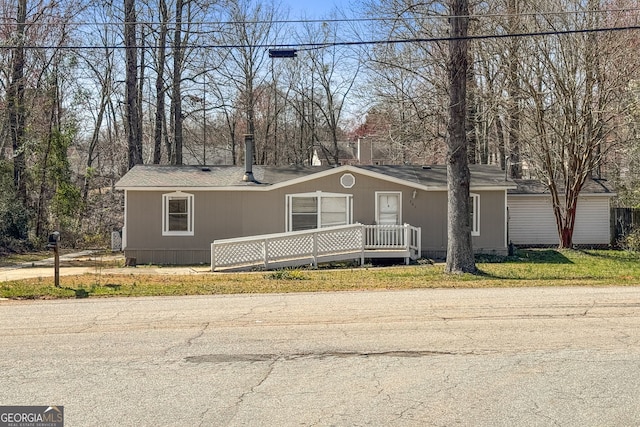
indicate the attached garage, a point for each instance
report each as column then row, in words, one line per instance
column 532, row 223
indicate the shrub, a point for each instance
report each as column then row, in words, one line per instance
column 14, row 223
column 631, row 241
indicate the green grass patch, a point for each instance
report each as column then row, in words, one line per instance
column 286, row 275
column 13, row 259
column 526, row 268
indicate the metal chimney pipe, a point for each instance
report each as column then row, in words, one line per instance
column 248, row 158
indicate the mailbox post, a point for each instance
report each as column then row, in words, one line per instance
column 54, row 243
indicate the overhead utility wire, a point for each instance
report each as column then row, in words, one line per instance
column 9, row 21
column 310, row 46
column 313, row 46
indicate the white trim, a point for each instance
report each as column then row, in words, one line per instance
column 319, row 195
column 506, row 220
column 475, row 220
column 266, row 188
column 377, row 207
column 124, row 226
column 347, row 176
column 190, row 213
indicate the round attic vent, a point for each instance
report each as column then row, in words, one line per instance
column 347, row 180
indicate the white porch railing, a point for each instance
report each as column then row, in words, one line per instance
column 354, row 241
column 392, row 237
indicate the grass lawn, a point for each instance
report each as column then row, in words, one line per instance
column 12, row 259
column 545, row 267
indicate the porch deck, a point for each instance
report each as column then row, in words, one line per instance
column 311, row 247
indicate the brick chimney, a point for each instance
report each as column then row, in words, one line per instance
column 365, row 151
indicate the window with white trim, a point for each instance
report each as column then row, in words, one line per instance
column 347, row 180
column 474, row 214
column 316, row 210
column 177, row 214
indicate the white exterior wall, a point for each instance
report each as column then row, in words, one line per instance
column 531, row 220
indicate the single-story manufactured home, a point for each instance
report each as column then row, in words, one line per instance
column 174, row 213
column 532, row 222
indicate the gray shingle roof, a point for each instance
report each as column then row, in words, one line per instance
column 532, row 186
column 144, row 176
column 436, row 175
column 161, row 176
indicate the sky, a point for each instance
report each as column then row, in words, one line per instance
column 309, row 9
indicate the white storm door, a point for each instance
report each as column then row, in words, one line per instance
column 388, row 213
column 388, row 209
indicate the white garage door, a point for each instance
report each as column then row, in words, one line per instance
column 531, row 221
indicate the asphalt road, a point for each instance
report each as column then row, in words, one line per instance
column 492, row 357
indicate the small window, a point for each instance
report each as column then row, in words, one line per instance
column 177, row 214
column 474, row 214
column 347, row 180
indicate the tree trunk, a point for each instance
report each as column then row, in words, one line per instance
column 15, row 105
column 471, row 118
column 140, row 94
column 176, row 101
column 95, row 137
column 502, row 160
column 44, row 184
column 459, row 246
column 565, row 213
column 134, row 140
column 160, row 105
column 515, row 161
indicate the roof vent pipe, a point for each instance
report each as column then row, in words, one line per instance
column 248, row 158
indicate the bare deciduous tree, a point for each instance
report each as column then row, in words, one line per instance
column 176, row 85
column 460, row 257
column 133, row 119
column 160, row 119
column 15, row 103
column 244, row 67
column 407, row 82
column 334, row 74
column 573, row 94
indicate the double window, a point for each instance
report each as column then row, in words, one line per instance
column 316, row 210
column 177, row 214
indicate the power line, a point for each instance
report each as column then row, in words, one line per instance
column 341, row 20
column 312, row 46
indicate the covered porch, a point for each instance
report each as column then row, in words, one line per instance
column 311, row 247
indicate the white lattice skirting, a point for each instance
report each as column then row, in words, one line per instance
column 314, row 246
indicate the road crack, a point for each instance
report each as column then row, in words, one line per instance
column 252, row 358
column 190, row 340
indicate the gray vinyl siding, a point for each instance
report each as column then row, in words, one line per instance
column 532, row 222
column 229, row 214
column 217, row 215
column 169, row 256
column 492, row 238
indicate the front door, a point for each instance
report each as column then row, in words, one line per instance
column 388, row 213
